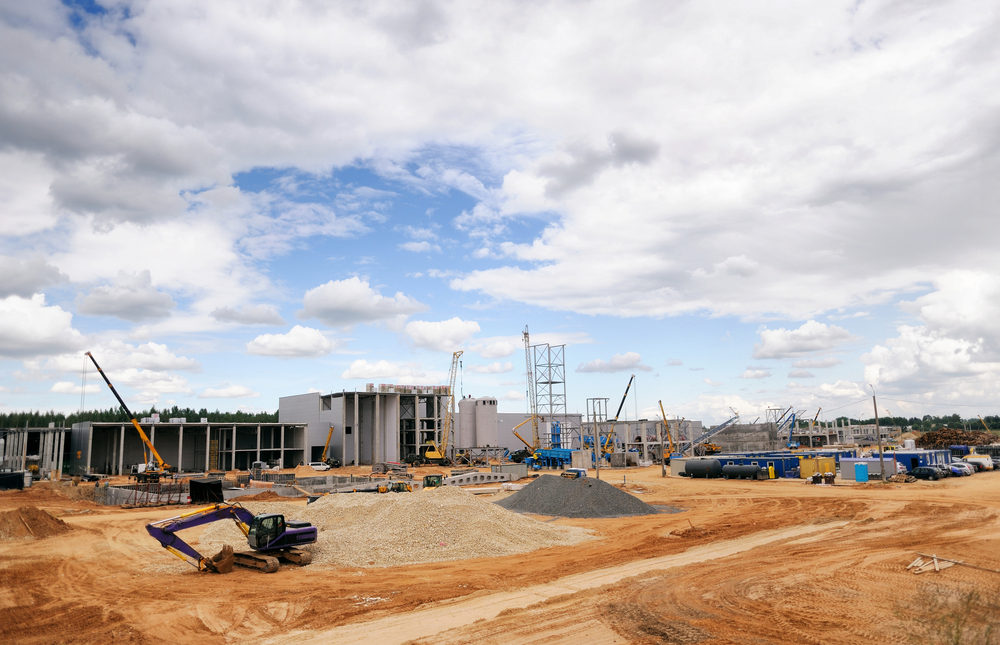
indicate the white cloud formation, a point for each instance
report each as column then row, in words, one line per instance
column 29, row 327
column 227, row 392
column 493, row 368
column 132, row 297
column 26, row 276
column 445, row 335
column 617, row 363
column 817, row 362
column 755, row 373
column 67, row 387
column 421, row 246
column 249, row 315
column 801, row 374
column 342, row 303
column 811, row 337
column 398, row 373
column 298, row 342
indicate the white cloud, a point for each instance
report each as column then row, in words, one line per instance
column 811, row 337
column 399, row 373
column 422, row 246
column 801, row 374
column 493, row 368
column 28, row 327
column 26, row 276
column 617, row 363
column 817, row 362
column 513, row 395
column 132, row 297
column 755, row 373
column 66, row 387
column 342, row 303
column 446, row 335
column 298, row 342
column 249, row 315
column 227, row 392
column 497, row 347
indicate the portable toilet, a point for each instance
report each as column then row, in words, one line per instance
column 860, row 472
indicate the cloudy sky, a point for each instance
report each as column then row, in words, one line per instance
column 746, row 205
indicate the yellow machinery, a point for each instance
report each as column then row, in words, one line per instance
column 335, row 463
column 150, row 471
column 438, row 450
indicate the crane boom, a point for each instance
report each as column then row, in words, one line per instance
column 161, row 465
column 666, row 428
column 531, row 393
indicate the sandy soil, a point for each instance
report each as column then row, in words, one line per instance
column 764, row 562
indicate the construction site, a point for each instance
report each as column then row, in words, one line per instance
column 392, row 515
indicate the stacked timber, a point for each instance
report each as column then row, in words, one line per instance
column 941, row 439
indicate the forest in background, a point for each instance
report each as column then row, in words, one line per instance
column 38, row 419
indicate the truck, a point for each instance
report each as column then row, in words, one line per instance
column 270, row 537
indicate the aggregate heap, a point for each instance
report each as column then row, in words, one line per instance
column 586, row 497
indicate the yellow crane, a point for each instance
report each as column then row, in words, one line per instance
column 666, row 429
column 438, row 450
column 151, row 471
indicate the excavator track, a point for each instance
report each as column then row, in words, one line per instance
column 259, row 561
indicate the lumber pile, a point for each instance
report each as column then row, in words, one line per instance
column 951, row 437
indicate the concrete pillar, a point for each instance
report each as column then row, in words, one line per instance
column 398, row 430
column 87, row 468
column 208, row 446
column 180, row 447
column 59, row 454
column 24, row 450
column 258, row 443
column 356, row 431
column 282, row 445
column 232, row 458
column 377, row 453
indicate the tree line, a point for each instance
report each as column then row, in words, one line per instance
column 925, row 423
column 40, row 419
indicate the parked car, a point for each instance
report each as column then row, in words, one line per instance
column 961, row 469
column 925, row 472
column 319, row 465
column 943, row 469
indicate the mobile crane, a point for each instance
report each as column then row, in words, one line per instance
column 271, row 537
column 329, row 461
column 149, row 470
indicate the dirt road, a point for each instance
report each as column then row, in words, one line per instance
column 767, row 562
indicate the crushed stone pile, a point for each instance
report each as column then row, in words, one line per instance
column 586, row 497
column 30, row 522
column 393, row 529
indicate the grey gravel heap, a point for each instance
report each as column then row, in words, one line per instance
column 586, row 497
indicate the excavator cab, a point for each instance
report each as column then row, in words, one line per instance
column 264, row 530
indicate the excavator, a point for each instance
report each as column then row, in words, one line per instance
column 271, row 537
column 437, row 453
column 149, row 471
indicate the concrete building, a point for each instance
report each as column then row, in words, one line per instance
column 112, row 448
column 38, row 450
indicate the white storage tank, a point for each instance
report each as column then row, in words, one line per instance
column 465, row 436
column 486, row 422
column 909, row 444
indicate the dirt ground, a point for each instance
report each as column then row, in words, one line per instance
column 745, row 561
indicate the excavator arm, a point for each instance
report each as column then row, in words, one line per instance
column 269, row 535
column 165, row 532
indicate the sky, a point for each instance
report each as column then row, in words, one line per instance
column 746, row 206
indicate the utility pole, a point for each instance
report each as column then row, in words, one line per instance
column 878, row 436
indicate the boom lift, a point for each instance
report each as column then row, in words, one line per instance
column 438, row 451
column 149, row 470
column 271, row 537
column 331, row 462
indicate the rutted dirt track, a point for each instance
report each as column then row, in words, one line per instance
column 765, row 562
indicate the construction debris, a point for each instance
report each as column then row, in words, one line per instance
column 586, row 497
column 945, row 437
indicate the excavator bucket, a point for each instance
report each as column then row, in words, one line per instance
column 222, row 562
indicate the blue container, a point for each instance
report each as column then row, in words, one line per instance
column 860, row 472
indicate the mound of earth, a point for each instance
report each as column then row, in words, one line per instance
column 586, row 497
column 393, row 529
column 29, row 522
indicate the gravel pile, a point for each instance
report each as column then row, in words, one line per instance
column 392, row 529
column 586, row 497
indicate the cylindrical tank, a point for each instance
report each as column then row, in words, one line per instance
column 466, row 437
column 486, row 421
column 703, row 468
column 737, row 471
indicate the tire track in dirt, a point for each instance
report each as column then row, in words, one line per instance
column 453, row 614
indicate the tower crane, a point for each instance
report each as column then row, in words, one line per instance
column 531, row 394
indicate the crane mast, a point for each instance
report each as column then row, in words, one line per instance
column 531, row 394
